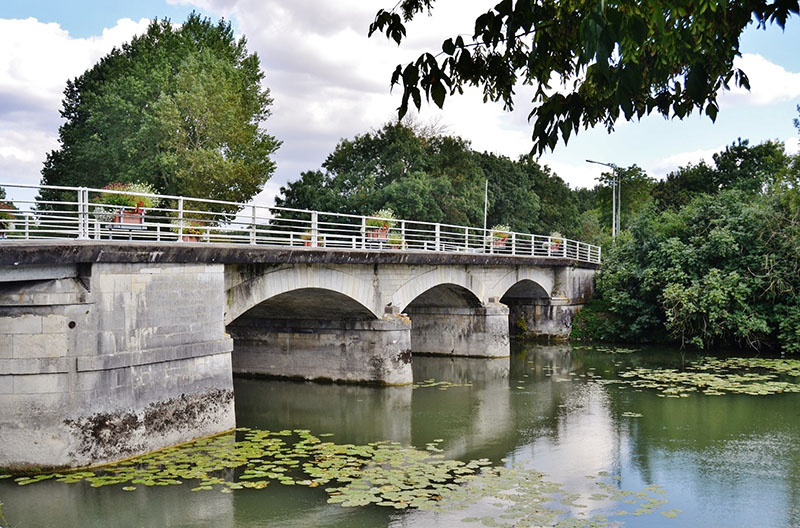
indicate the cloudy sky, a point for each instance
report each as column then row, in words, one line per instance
column 329, row 81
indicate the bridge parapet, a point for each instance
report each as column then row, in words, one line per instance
column 86, row 213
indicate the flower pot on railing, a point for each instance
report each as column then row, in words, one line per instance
column 395, row 241
column 192, row 230
column 6, row 218
column 129, row 216
column 378, row 232
column 307, row 239
column 500, row 234
column 556, row 243
column 115, row 205
column 380, row 223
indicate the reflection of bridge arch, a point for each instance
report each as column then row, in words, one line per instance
column 420, row 284
column 251, row 293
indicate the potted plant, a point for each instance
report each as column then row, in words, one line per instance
column 6, row 217
column 556, row 241
column 121, row 208
column 396, row 240
column 192, row 230
column 379, row 224
column 306, row 237
column 500, row 234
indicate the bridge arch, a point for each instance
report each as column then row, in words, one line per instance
column 454, row 281
column 525, row 282
column 246, row 295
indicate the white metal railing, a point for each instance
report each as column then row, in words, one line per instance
column 84, row 213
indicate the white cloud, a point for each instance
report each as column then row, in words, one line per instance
column 577, row 175
column 36, row 62
column 660, row 168
column 769, row 83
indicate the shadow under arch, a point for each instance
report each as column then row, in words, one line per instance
column 255, row 290
column 447, row 295
column 317, row 333
column 529, row 307
column 310, row 303
column 457, row 282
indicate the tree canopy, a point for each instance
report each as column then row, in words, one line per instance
column 180, row 108
column 612, row 59
column 434, row 178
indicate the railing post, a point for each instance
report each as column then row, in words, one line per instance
column 437, row 244
column 83, row 213
column 27, row 227
column 513, row 243
column 402, row 234
column 466, row 239
column 253, row 225
column 363, row 232
column 314, row 228
column 180, row 218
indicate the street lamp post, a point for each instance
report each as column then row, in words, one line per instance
column 616, row 198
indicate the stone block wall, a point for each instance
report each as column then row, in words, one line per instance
column 472, row 332
column 118, row 360
column 371, row 351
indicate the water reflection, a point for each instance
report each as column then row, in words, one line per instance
column 730, row 460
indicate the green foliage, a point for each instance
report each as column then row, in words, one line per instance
column 593, row 322
column 723, row 270
column 382, row 218
column 740, row 166
column 6, row 214
column 636, row 188
column 434, row 179
column 613, row 59
column 179, row 108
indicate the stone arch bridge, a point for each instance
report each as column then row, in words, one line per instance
column 111, row 349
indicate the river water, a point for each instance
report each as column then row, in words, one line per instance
column 719, row 461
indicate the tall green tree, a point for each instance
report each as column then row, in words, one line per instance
column 635, row 194
column 180, row 108
column 752, row 169
column 433, row 179
column 623, row 58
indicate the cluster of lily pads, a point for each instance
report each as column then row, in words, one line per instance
column 380, row 473
column 715, row 377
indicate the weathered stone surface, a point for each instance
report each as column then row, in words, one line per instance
column 470, row 332
column 376, row 351
column 101, row 352
column 87, row 382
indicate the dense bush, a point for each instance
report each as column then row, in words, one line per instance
column 722, row 270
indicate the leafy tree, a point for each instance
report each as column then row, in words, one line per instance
column 752, row 169
column 512, row 198
column 178, row 108
column 636, row 188
column 558, row 209
column 723, row 270
column 434, row 179
column 613, row 59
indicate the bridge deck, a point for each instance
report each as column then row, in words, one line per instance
column 50, row 252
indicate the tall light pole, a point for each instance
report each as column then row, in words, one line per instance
column 616, row 197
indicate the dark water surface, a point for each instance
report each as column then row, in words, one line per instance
column 724, row 461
